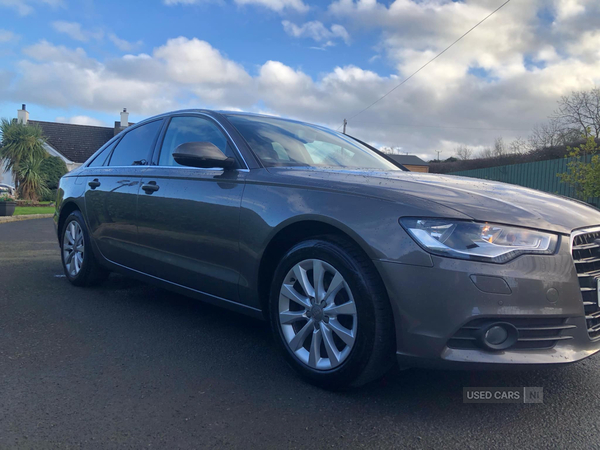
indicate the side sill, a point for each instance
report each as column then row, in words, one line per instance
column 180, row 289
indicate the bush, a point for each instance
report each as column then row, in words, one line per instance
column 583, row 172
column 49, row 196
column 52, row 169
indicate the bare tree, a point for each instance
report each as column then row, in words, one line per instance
column 392, row 150
column 463, row 152
column 519, row 146
column 580, row 110
column 499, row 147
column 545, row 135
column 487, row 152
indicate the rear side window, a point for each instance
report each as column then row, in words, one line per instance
column 136, row 145
column 100, row 159
column 191, row 129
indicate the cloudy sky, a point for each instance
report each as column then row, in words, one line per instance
column 82, row 61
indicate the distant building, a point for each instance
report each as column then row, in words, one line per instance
column 74, row 144
column 411, row 162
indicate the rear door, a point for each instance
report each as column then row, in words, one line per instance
column 113, row 182
column 188, row 217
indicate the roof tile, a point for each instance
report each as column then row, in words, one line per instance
column 75, row 142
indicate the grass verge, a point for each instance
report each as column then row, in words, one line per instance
column 28, row 210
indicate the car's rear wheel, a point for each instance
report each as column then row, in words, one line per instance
column 330, row 314
column 79, row 262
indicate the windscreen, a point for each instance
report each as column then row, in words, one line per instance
column 279, row 142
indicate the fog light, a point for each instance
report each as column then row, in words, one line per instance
column 496, row 335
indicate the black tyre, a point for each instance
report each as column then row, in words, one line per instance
column 330, row 314
column 79, row 262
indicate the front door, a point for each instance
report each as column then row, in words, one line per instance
column 188, row 218
column 111, row 194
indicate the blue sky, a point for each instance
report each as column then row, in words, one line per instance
column 247, row 34
column 320, row 61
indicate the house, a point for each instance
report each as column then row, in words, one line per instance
column 74, row 144
column 411, row 162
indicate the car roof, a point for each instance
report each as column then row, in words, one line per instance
column 231, row 113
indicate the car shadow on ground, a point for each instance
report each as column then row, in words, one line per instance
column 229, row 328
column 135, row 360
column 170, row 354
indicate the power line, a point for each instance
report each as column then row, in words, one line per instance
column 461, row 128
column 428, row 62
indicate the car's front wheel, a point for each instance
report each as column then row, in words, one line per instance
column 79, row 263
column 330, row 314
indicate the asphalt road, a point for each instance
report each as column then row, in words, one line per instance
column 127, row 365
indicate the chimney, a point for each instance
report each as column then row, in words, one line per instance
column 23, row 115
column 124, row 118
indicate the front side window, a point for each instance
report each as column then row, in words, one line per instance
column 136, row 145
column 279, row 142
column 191, row 129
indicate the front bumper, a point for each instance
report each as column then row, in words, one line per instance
column 431, row 304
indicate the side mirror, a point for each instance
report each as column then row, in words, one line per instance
column 202, row 154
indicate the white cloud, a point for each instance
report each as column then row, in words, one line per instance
column 122, row 44
column 587, row 47
column 81, row 120
column 183, row 2
column 63, row 78
column 276, row 75
column 275, row 5
column 75, row 31
column 46, row 52
column 567, row 9
column 318, row 32
column 524, row 66
column 25, row 7
column 8, row 36
column 21, row 7
column 192, row 61
column 147, row 84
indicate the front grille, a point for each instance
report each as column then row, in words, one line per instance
column 534, row 333
column 586, row 256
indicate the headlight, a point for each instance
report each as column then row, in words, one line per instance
column 478, row 241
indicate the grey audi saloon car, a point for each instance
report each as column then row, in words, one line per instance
column 354, row 261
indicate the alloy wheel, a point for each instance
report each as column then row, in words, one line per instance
column 317, row 314
column 73, row 248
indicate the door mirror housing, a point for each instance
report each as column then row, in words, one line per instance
column 202, row 154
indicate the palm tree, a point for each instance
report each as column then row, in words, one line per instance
column 22, row 151
column 31, row 180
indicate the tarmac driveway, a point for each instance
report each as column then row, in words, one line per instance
column 130, row 365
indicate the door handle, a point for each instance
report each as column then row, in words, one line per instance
column 150, row 187
column 94, row 183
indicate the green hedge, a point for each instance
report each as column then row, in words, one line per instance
column 52, row 169
column 49, row 196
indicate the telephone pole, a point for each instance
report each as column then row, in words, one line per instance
column 345, row 123
column 438, row 152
